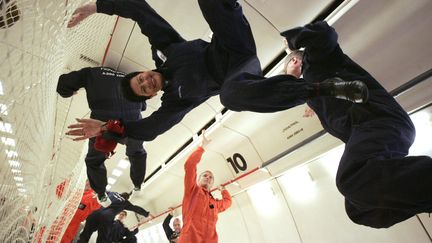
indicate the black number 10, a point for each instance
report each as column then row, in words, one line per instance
column 237, row 162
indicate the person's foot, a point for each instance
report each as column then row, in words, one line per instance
column 354, row 91
column 104, row 200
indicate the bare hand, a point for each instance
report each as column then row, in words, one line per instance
column 85, row 128
column 204, row 141
column 81, row 13
column 308, row 112
column 171, row 210
column 221, row 187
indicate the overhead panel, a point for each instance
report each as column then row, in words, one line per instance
column 267, row 39
column 237, row 154
column 284, row 129
column 197, row 119
column 120, row 36
column 417, row 96
column 165, row 145
column 171, row 195
column 286, row 14
column 185, row 16
column 138, row 49
column 393, row 44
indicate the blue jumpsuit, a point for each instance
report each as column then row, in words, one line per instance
column 102, row 219
column 380, row 184
column 106, row 102
column 196, row 70
column 120, row 233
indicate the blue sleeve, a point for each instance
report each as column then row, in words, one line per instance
column 159, row 32
column 168, row 115
column 166, row 227
column 136, row 209
column 319, row 40
column 72, row 82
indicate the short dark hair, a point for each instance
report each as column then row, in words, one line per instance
column 124, row 211
column 296, row 53
column 125, row 195
column 127, row 90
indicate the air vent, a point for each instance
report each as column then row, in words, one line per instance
column 89, row 60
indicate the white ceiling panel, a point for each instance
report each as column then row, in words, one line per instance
column 267, row 39
column 284, row 129
column 394, row 43
column 121, row 34
column 200, row 116
column 286, row 14
column 165, row 145
column 417, row 96
column 214, row 103
column 128, row 65
column 113, row 60
column 138, row 49
column 185, row 16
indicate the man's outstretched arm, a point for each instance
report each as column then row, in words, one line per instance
column 146, row 129
column 159, row 32
column 166, row 226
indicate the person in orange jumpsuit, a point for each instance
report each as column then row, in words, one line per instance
column 200, row 209
column 87, row 205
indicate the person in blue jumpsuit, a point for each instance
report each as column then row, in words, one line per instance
column 120, row 233
column 189, row 72
column 102, row 219
column 381, row 185
column 106, row 102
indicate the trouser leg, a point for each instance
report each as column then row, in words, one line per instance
column 96, row 170
column 247, row 92
column 232, row 42
column 230, row 27
column 138, row 159
column 375, row 177
column 375, row 217
column 91, row 226
column 105, row 226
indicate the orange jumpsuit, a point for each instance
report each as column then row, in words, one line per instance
column 87, row 205
column 200, row 209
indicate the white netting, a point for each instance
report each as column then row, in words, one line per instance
column 42, row 173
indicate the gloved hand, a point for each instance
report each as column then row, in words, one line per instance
column 107, row 141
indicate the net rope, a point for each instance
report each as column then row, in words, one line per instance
column 42, row 172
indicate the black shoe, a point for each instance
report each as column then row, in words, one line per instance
column 354, row 91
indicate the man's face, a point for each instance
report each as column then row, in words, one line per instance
column 206, row 180
column 294, row 67
column 121, row 216
column 177, row 225
column 147, row 83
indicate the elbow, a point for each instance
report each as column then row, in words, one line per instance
column 229, row 101
column 64, row 94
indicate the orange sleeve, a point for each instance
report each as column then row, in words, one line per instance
column 226, row 201
column 190, row 169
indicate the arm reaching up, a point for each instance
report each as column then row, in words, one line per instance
column 81, row 13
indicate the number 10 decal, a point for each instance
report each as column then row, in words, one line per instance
column 237, row 162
